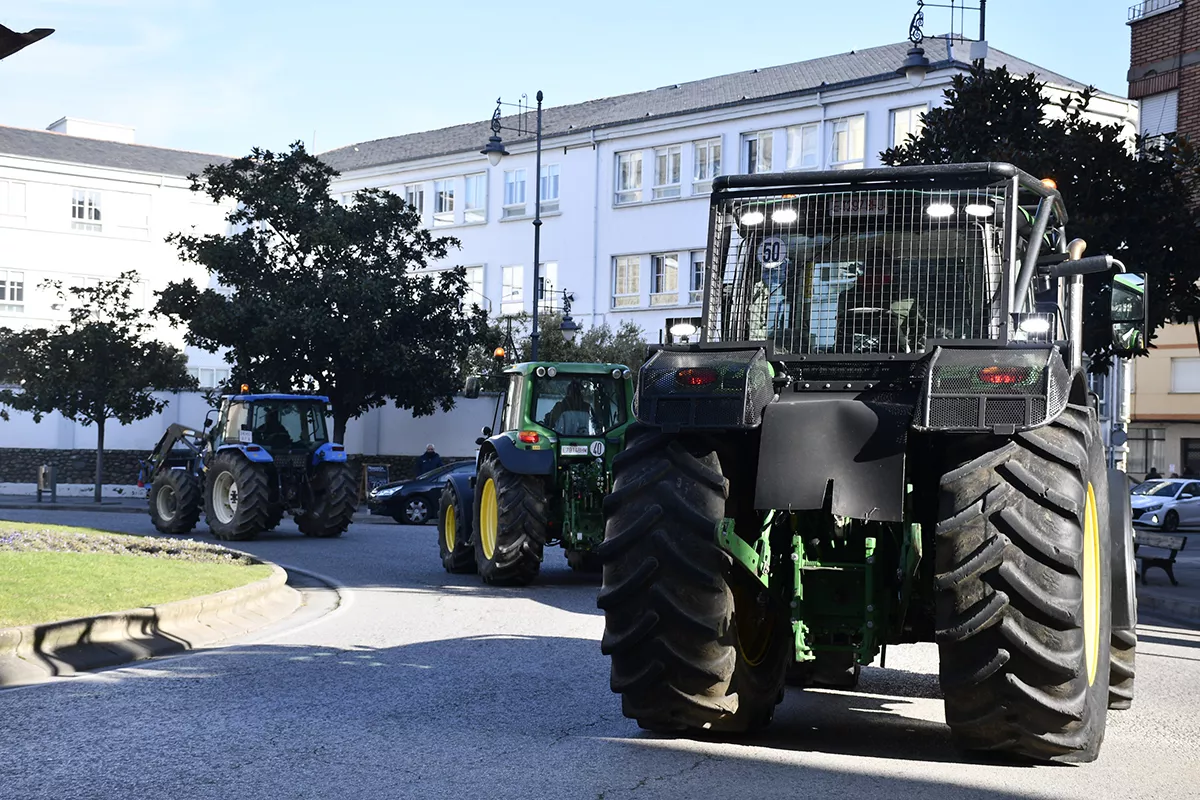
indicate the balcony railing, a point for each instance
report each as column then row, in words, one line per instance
column 1148, row 8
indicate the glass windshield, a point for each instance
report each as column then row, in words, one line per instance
column 578, row 405
column 1158, row 488
column 280, row 423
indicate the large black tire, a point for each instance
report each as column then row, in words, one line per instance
column 275, row 517
column 454, row 531
column 1022, row 544
column 510, row 522
column 237, row 500
column 334, row 501
column 1170, row 521
column 692, row 647
column 176, row 498
column 584, row 561
column 1123, row 649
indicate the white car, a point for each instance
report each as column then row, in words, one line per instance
column 1166, row 503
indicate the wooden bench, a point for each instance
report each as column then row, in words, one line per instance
column 1158, row 541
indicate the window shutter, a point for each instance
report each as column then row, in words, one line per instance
column 1159, row 113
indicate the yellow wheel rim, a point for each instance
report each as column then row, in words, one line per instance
column 754, row 629
column 450, row 529
column 489, row 518
column 1091, row 585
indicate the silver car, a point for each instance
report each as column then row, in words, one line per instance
column 1166, row 503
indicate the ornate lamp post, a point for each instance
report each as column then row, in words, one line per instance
column 494, row 150
column 916, row 64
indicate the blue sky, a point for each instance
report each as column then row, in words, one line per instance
column 219, row 76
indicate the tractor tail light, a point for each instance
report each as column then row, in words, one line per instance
column 696, row 377
column 1004, row 376
column 529, row 437
column 337, row 448
column 252, row 448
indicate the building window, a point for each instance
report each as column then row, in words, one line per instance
column 846, row 138
column 1147, row 448
column 512, row 290
column 12, row 199
column 210, row 377
column 668, row 163
column 804, row 147
column 548, row 187
column 474, row 286
column 414, row 195
column 346, row 199
column 626, row 289
column 706, row 164
column 514, row 193
column 475, row 198
column 696, row 278
column 12, row 291
column 1159, row 116
column 85, row 210
column 907, row 122
column 629, row 177
column 756, row 152
column 664, row 284
column 1185, row 375
column 443, row 203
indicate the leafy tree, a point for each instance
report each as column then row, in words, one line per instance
column 98, row 366
column 322, row 297
column 1136, row 204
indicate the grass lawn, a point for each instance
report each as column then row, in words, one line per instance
column 51, row 572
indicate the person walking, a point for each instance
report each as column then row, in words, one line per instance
column 428, row 460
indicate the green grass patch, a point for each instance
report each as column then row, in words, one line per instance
column 52, row 572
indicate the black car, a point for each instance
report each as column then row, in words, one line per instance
column 414, row 501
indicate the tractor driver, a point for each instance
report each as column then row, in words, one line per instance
column 272, row 432
column 570, row 415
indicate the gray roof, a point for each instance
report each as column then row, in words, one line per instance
column 759, row 85
column 98, row 153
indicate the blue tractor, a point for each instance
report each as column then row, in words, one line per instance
column 268, row 454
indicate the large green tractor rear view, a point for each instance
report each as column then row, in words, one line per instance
column 884, row 436
column 542, row 474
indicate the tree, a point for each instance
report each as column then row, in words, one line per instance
column 1137, row 204
column 97, row 367
column 322, row 297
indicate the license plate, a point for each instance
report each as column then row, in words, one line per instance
column 574, row 450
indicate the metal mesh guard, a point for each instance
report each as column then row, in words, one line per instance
column 730, row 389
column 979, row 390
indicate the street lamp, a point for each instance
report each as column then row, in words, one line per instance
column 494, row 150
column 569, row 327
column 916, row 64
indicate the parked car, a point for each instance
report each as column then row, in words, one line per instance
column 414, row 501
column 1166, row 503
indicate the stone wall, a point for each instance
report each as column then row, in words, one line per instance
column 19, row 465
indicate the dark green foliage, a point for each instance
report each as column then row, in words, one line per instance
column 1137, row 204
column 98, row 366
column 322, row 297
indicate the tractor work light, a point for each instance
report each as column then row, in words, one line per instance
column 785, row 216
column 753, row 218
column 1035, row 325
column 552, row 371
column 529, row 437
column 940, row 210
column 1004, row 376
column 626, row 374
column 979, row 210
column 540, row 372
column 616, row 373
column 696, row 377
column 245, row 388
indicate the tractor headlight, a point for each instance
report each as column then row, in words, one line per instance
column 541, row 372
column 552, row 371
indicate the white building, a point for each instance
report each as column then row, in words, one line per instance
column 624, row 187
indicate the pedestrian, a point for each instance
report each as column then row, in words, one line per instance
column 429, row 460
column 1153, row 474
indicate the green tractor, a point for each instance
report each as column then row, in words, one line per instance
column 883, row 436
column 543, row 470
column 268, row 454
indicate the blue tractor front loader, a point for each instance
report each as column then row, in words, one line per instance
column 268, row 454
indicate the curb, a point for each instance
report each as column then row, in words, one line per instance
column 34, row 653
column 1180, row 610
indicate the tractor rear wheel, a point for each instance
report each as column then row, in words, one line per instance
column 695, row 641
column 334, row 501
column 510, row 524
column 1023, row 588
column 584, row 561
column 454, row 531
column 237, row 502
column 176, row 498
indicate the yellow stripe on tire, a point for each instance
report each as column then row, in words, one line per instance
column 1091, row 585
column 489, row 519
column 450, row 529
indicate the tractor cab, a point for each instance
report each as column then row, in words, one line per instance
column 575, row 401
column 278, row 423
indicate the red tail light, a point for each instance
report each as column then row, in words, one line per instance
column 252, row 448
column 1004, row 376
column 337, row 448
column 529, row 437
column 696, row 377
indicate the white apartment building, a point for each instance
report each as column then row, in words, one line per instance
column 625, row 180
column 624, row 185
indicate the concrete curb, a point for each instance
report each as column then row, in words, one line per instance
column 1179, row 609
column 33, row 653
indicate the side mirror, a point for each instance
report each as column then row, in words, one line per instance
column 208, row 422
column 487, row 431
column 471, row 390
column 1128, row 314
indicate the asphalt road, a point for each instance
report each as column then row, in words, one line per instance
column 409, row 682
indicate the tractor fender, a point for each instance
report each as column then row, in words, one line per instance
column 464, row 486
column 329, row 452
column 257, row 455
column 521, row 462
column 850, row 445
